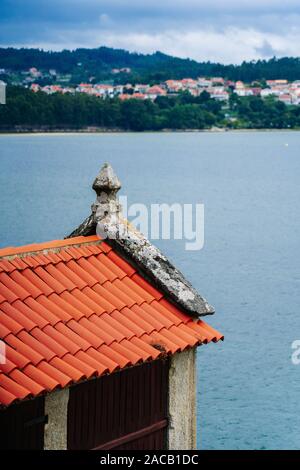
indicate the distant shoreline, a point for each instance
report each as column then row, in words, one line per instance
column 100, row 130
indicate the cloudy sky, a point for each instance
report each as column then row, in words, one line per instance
column 227, row 31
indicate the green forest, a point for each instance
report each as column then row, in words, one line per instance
column 28, row 110
column 82, row 63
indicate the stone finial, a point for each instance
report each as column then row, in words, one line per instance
column 106, row 180
column 106, row 208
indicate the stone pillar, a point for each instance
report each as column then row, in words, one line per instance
column 182, row 401
column 56, row 407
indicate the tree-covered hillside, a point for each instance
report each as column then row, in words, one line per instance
column 83, row 63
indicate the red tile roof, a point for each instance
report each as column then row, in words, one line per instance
column 74, row 309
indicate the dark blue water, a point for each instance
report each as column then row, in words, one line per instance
column 248, row 389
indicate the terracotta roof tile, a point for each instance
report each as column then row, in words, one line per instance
column 155, row 353
column 138, row 314
column 16, row 357
column 7, row 266
column 167, row 313
column 6, row 398
column 104, row 247
column 132, row 290
column 175, row 338
column 111, row 325
column 99, row 263
column 69, row 336
column 185, row 335
column 7, row 294
column 135, row 314
column 17, row 288
column 139, row 351
column 35, row 345
column 18, row 263
column 159, row 340
column 50, row 280
column 129, row 327
column 170, row 308
column 99, row 331
column 27, row 285
column 32, row 261
column 110, row 295
column 27, row 382
column 39, row 313
column 203, row 338
column 74, row 309
column 42, row 259
column 55, row 271
column 94, row 249
column 103, row 359
column 7, row 367
column 41, row 378
column 95, row 273
column 17, row 316
column 123, row 293
column 84, row 298
column 116, row 271
column 97, row 298
column 74, row 253
column 55, row 373
column 67, row 369
column 152, row 314
column 52, row 258
column 10, row 324
column 85, row 333
column 4, row 331
column 37, row 281
column 147, row 288
column 64, row 255
column 49, row 342
column 131, row 355
column 201, row 328
column 73, row 271
column 121, row 263
column 142, row 295
column 61, row 339
column 19, row 391
column 82, row 274
column 56, row 306
column 114, row 356
column 95, row 364
column 87, row 370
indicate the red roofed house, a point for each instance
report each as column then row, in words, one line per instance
column 98, row 340
column 154, row 91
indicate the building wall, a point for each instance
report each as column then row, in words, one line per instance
column 56, row 407
column 182, row 401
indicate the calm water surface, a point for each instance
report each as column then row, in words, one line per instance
column 248, row 389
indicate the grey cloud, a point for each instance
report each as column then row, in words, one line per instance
column 266, row 50
column 146, row 25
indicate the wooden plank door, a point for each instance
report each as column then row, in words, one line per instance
column 22, row 426
column 124, row 410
